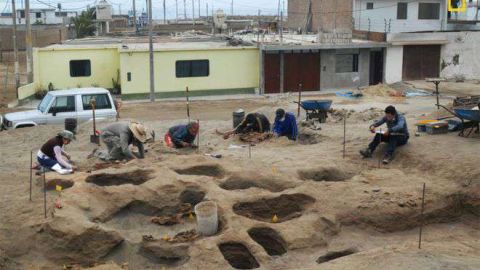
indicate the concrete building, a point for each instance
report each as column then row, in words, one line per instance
column 205, row 67
column 39, row 16
column 412, row 16
column 320, row 15
column 416, row 56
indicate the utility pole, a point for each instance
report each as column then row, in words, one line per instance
column 185, row 9
column 28, row 42
column 278, row 9
column 207, row 10
column 150, row 41
column 231, row 8
column 193, row 11
column 134, row 16
column 176, row 10
column 15, row 49
column 281, row 27
column 199, row 13
column 164, row 13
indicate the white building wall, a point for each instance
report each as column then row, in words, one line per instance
column 393, row 64
column 386, row 11
column 460, row 57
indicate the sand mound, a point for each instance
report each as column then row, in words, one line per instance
column 380, row 90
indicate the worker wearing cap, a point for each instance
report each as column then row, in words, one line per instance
column 182, row 135
column 52, row 155
column 285, row 125
column 395, row 135
column 119, row 137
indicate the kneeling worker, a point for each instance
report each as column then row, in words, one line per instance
column 182, row 135
column 285, row 125
column 52, row 156
column 119, row 137
column 253, row 122
column 396, row 134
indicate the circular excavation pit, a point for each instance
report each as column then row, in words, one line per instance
column 328, row 174
column 202, row 170
column 238, row 255
column 136, row 177
column 308, row 139
column 330, row 256
column 278, row 209
column 64, row 183
column 269, row 239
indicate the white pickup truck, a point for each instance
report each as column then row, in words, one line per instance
column 56, row 106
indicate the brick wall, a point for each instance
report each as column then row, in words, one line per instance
column 40, row 37
column 327, row 15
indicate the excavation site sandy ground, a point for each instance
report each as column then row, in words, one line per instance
column 285, row 205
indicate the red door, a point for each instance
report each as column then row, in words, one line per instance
column 272, row 73
column 302, row 68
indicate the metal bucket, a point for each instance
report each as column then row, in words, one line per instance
column 238, row 117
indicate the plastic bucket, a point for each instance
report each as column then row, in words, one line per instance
column 238, row 116
column 207, row 218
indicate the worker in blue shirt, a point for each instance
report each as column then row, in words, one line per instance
column 285, row 125
column 395, row 135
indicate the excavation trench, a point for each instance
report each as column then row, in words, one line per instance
column 278, row 209
column 136, row 177
column 203, row 170
column 64, row 183
column 238, row 255
column 330, row 256
column 328, row 174
column 240, row 183
column 269, row 239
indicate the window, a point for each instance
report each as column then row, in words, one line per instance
column 129, row 76
column 346, row 63
column 102, row 101
column 38, row 15
column 193, row 68
column 80, row 68
column 428, row 11
column 402, row 8
column 369, row 5
column 22, row 13
column 63, row 104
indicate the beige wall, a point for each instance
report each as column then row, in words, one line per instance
column 232, row 68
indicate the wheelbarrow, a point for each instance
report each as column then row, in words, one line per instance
column 316, row 109
column 470, row 119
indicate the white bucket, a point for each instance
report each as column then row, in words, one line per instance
column 207, row 218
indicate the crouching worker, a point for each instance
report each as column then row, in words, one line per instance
column 395, row 135
column 253, row 122
column 285, row 125
column 52, row 156
column 119, row 139
column 182, row 135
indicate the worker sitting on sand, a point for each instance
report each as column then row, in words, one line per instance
column 120, row 137
column 285, row 125
column 182, row 135
column 253, row 122
column 52, row 156
column 396, row 134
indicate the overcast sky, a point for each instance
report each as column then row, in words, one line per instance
column 240, row 7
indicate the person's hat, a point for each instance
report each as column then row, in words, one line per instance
column 139, row 131
column 66, row 134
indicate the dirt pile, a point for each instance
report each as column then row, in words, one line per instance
column 381, row 90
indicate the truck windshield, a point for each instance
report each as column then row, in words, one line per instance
column 45, row 102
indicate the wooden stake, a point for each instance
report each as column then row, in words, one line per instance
column 299, row 99
column 344, row 133
column 379, row 142
column 44, row 194
column 198, row 134
column 421, row 219
column 188, row 104
column 31, row 164
column 249, row 151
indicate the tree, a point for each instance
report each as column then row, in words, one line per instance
column 84, row 25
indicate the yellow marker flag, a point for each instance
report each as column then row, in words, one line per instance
column 274, row 170
column 274, row 219
column 190, row 216
column 166, row 238
column 58, row 188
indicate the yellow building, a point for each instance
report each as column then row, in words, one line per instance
column 205, row 67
